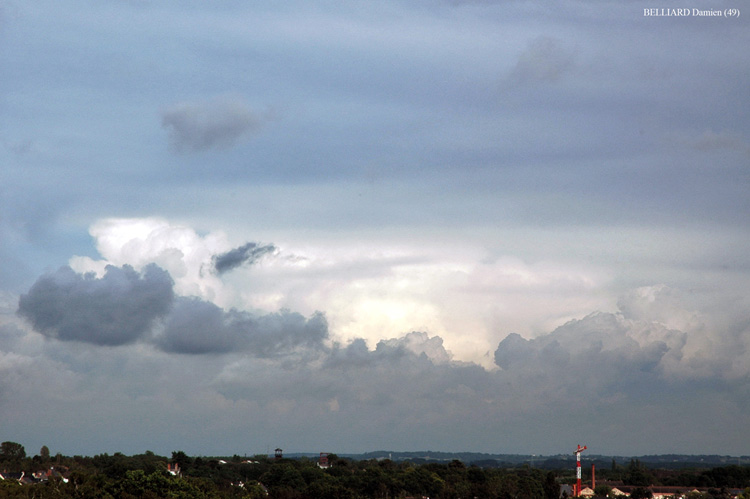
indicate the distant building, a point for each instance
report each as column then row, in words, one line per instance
column 12, row 476
column 174, row 469
column 566, row 490
column 587, row 492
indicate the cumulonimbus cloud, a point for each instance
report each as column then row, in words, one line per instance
column 611, row 363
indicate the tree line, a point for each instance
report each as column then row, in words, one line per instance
column 150, row 476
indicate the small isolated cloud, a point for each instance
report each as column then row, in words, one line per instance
column 217, row 123
column 116, row 309
column 707, row 142
column 246, row 254
column 20, row 148
column 545, row 60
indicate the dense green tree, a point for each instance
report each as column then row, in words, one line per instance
column 602, row 490
column 641, row 493
column 283, row 478
column 182, row 459
column 721, row 493
column 12, row 451
column 551, row 486
column 375, row 482
column 636, row 474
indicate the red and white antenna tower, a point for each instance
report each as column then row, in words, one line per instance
column 577, row 491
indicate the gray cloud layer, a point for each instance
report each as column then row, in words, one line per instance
column 602, row 377
column 197, row 327
column 124, row 306
column 246, row 254
column 116, row 309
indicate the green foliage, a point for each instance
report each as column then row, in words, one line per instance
column 602, row 490
column 145, row 476
column 640, row 493
column 551, row 487
column 11, row 451
column 637, row 474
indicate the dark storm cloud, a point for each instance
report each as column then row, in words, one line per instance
column 124, row 306
column 248, row 253
column 199, row 327
column 196, row 326
column 355, row 353
column 275, row 334
column 602, row 362
column 217, row 123
column 116, row 309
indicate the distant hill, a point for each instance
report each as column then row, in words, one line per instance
column 560, row 461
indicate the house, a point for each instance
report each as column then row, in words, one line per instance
column 174, row 469
column 12, row 476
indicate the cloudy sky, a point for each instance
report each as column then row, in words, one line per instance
column 495, row 226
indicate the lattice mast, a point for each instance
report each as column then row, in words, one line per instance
column 577, row 491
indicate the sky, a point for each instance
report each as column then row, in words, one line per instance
column 453, row 225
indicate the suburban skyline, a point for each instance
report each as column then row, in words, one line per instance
column 501, row 227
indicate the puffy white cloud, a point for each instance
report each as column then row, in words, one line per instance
column 420, row 343
column 179, row 249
